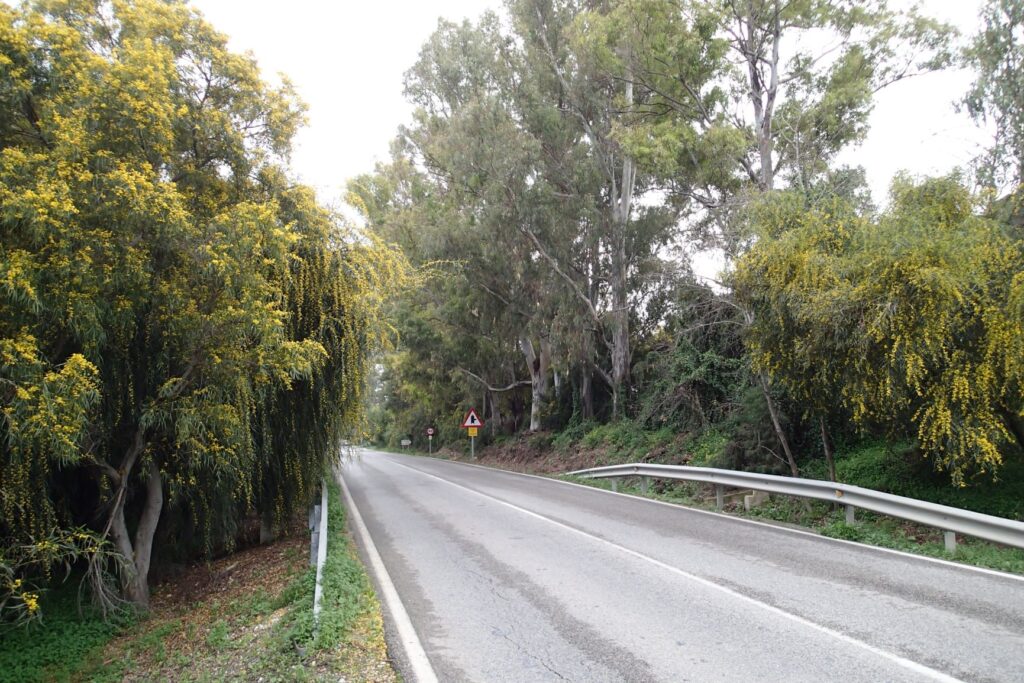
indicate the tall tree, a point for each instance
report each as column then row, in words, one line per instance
column 731, row 99
column 183, row 303
column 997, row 95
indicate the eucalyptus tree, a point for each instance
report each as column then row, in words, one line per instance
column 997, row 94
column 483, row 166
column 461, row 331
column 791, row 84
column 732, row 96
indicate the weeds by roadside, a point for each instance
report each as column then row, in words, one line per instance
column 54, row 648
column 870, row 528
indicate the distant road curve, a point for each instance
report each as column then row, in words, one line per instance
column 506, row 577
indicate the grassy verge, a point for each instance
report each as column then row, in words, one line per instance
column 870, row 528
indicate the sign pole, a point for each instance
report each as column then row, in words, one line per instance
column 430, row 444
column 471, row 423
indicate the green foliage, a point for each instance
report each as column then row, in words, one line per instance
column 707, row 447
column 55, row 647
column 997, row 95
column 27, row 568
column 626, row 441
column 887, row 533
column 689, row 377
column 572, row 434
column 880, row 466
column 179, row 322
column 900, row 469
column 905, row 319
column 217, row 636
column 347, row 588
column 347, row 592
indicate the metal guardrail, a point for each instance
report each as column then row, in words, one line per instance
column 950, row 519
column 320, row 534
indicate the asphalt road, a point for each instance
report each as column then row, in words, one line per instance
column 507, row 577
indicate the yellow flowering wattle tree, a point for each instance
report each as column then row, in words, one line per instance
column 182, row 330
column 911, row 321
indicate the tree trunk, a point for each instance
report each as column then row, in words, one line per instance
column 827, row 445
column 587, row 392
column 620, row 336
column 539, row 367
column 267, row 534
column 777, row 424
column 763, row 94
column 495, row 414
column 621, row 209
column 139, row 553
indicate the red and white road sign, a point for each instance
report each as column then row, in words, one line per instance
column 430, row 431
column 472, row 420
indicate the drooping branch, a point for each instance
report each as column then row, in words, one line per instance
column 496, row 390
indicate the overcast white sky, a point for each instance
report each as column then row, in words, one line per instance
column 347, row 60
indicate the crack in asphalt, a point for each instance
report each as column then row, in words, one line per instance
column 519, row 646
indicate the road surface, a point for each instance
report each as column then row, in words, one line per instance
column 506, row 577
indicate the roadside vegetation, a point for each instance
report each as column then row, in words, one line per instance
column 829, row 520
column 572, row 165
column 243, row 617
column 187, row 334
column 184, row 330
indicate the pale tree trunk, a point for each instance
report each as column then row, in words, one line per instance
column 763, row 94
column 622, row 205
column 138, row 553
column 827, row 445
column 539, row 365
column 621, row 185
column 587, row 339
column 495, row 413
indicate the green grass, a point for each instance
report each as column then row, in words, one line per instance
column 347, row 589
column 347, row 592
column 55, row 649
column 252, row 633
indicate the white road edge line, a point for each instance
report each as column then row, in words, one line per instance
column 744, row 520
column 417, row 656
column 908, row 664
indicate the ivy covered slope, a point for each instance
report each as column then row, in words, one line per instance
column 566, row 160
column 182, row 328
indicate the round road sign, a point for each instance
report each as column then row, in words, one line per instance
column 430, row 431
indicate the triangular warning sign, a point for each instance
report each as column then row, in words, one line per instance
column 472, row 420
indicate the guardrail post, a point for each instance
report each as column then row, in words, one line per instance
column 950, row 538
column 643, row 485
column 719, row 496
column 615, row 485
column 851, row 516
